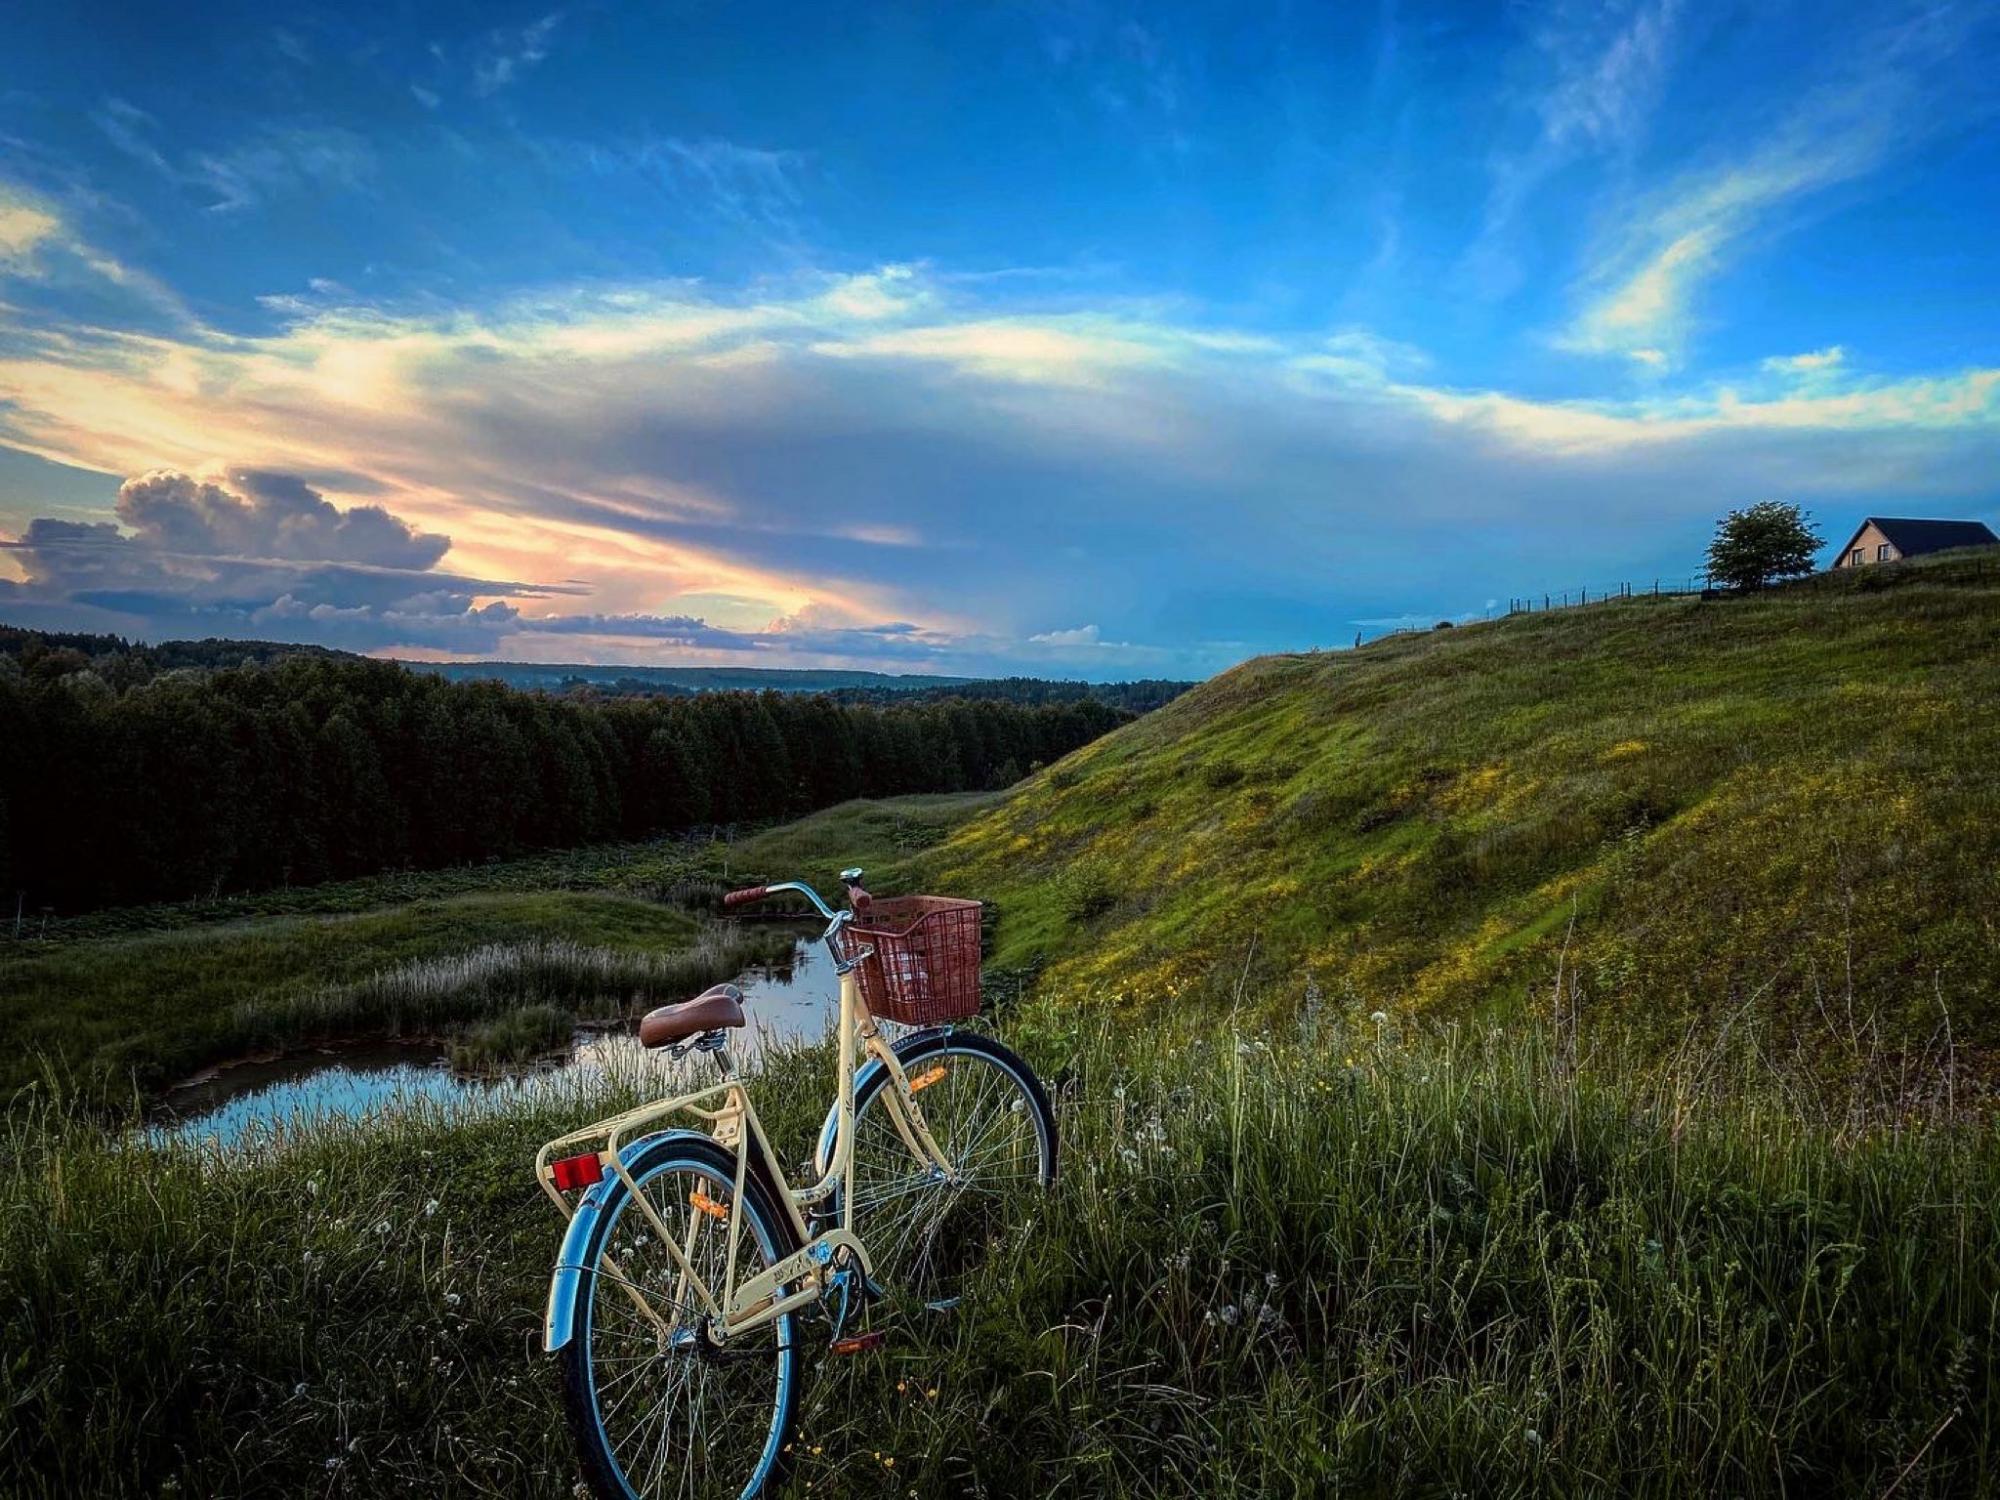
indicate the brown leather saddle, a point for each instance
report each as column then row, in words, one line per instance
column 714, row 1008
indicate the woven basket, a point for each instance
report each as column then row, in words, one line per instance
column 924, row 970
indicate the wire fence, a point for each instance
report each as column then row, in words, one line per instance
column 1658, row 588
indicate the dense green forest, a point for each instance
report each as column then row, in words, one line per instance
column 122, row 783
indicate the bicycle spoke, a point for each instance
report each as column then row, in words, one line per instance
column 672, row 1420
column 926, row 1230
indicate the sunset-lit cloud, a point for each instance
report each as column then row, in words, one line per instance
column 631, row 447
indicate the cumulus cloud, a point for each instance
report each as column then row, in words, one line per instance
column 267, row 515
column 256, row 553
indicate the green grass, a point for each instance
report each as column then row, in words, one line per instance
column 657, row 870
column 1787, row 804
column 1310, row 1262
column 878, row 835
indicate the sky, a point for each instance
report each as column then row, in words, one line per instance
column 1073, row 339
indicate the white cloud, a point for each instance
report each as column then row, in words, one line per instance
column 23, row 228
column 1082, row 635
column 1819, row 361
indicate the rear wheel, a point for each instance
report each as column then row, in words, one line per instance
column 658, row 1405
column 928, row 1231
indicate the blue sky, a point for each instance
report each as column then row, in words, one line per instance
column 1084, row 339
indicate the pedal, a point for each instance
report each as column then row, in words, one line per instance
column 857, row 1343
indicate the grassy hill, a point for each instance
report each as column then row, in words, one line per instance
column 1782, row 810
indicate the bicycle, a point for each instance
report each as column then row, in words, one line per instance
column 690, row 1262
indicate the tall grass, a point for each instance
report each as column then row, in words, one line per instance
column 436, row 994
column 516, row 1036
column 1336, row 1260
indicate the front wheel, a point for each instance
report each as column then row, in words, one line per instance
column 657, row 1404
column 927, row 1231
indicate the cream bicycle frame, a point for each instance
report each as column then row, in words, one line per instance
column 741, row 1307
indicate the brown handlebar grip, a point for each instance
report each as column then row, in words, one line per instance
column 748, row 893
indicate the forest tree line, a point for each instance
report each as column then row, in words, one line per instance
column 192, row 783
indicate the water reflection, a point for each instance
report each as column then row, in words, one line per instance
column 797, row 999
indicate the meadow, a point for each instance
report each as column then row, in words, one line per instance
column 1546, row 1057
column 1780, row 810
column 1336, row 1259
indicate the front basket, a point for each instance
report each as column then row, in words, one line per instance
column 924, row 970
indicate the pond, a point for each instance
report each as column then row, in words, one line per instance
column 795, row 1000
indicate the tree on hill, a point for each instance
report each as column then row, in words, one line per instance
column 1762, row 543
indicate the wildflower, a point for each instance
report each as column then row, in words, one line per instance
column 312, row 1187
column 430, row 1208
column 452, row 1299
column 931, row 1394
column 299, row 1389
column 1232, row 1314
column 1380, row 1018
column 383, row 1227
column 1534, row 1438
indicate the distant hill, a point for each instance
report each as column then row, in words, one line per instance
column 553, row 675
column 1780, row 811
column 123, row 663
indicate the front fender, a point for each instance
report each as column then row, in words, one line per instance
column 570, row 1260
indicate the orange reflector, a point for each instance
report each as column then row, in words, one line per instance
column 924, row 1080
column 708, row 1205
column 859, row 1343
column 574, row 1172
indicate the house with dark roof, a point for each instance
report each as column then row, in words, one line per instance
column 1881, row 539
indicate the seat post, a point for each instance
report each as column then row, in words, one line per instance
column 714, row 1043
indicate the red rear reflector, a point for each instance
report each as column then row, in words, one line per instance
column 574, row 1172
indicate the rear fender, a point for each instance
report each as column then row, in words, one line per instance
column 571, row 1263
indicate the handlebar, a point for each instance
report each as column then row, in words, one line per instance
column 842, row 962
column 760, row 892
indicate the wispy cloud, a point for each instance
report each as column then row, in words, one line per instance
column 1892, row 91
column 275, row 160
column 1591, row 77
column 39, row 246
column 509, row 54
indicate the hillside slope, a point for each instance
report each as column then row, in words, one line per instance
column 1783, row 808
